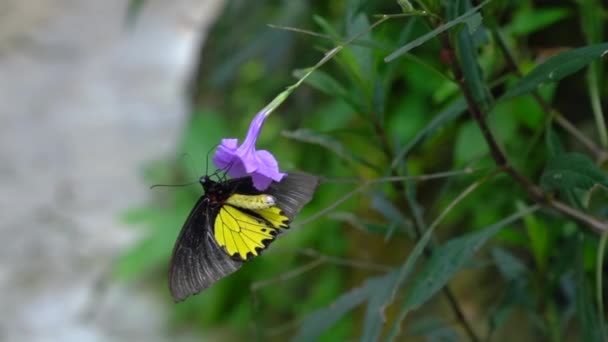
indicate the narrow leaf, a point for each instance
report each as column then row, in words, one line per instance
column 428, row 36
column 374, row 316
column 360, row 58
column 556, row 68
column 382, row 205
column 509, row 265
column 472, row 72
column 405, row 5
column 444, row 263
column 323, row 319
column 571, row 171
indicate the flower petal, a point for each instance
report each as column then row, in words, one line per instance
column 231, row 144
column 268, row 165
column 260, row 181
column 224, row 154
column 247, row 156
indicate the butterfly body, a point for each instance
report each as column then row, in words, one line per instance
column 230, row 224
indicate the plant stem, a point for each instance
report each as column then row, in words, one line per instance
column 501, row 160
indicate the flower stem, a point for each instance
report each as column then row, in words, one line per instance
column 279, row 99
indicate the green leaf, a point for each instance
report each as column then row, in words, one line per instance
column 358, row 57
column 570, row 171
column 474, row 22
column 326, row 26
column 444, row 263
column 471, row 70
column 509, row 265
column 556, row 68
column 404, row 272
column 532, row 20
column 321, row 320
column 428, row 36
column 405, row 5
column 374, row 316
column 385, row 207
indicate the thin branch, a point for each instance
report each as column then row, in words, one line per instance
column 501, row 160
column 288, row 275
column 365, row 265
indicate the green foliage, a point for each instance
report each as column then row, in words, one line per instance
column 382, row 118
column 372, row 290
column 530, row 20
column 572, row 171
column 442, row 266
column 556, row 68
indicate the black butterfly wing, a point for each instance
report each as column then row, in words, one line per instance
column 293, row 192
column 197, row 260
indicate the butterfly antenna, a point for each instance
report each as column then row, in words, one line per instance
column 208, row 153
column 227, row 169
column 223, row 172
column 190, row 166
column 171, row 185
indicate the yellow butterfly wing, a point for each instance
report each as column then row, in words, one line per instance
column 244, row 233
column 247, row 223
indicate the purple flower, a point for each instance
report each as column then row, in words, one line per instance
column 245, row 160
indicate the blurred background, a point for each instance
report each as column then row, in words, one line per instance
column 99, row 100
column 85, row 99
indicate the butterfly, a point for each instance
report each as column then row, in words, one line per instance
column 230, row 224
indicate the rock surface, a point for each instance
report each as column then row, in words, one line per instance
column 84, row 101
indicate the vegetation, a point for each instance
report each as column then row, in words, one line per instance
column 463, row 147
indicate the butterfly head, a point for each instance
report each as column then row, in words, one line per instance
column 207, row 183
column 214, row 190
